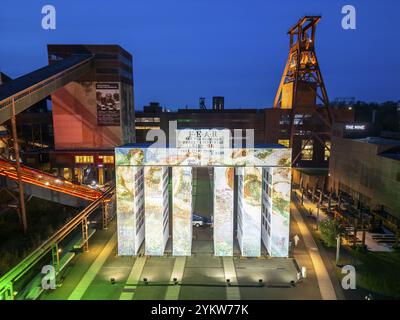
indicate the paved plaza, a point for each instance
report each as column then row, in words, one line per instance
column 199, row 276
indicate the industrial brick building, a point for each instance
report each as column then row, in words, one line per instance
column 93, row 114
column 368, row 169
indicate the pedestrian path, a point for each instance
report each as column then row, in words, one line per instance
column 324, row 281
column 311, row 207
column 177, row 273
column 91, row 273
column 128, row 292
column 232, row 293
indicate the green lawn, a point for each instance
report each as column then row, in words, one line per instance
column 378, row 272
column 44, row 217
column 203, row 194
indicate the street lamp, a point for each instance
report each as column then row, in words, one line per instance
column 337, row 249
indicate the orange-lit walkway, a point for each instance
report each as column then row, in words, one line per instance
column 48, row 181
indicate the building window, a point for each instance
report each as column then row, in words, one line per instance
column 192, row 120
column 84, row 159
column 284, row 142
column 66, row 173
column 285, row 119
column 307, row 150
column 147, row 128
column 145, row 119
column 327, row 152
column 107, row 159
column 299, row 119
column 107, row 70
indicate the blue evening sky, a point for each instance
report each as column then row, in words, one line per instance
column 184, row 49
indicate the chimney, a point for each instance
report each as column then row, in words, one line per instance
column 218, row 103
column 373, row 116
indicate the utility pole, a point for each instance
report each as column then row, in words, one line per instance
column 22, row 209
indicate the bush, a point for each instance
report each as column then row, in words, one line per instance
column 360, row 248
column 330, row 229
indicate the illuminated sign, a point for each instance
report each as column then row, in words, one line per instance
column 152, row 156
column 249, row 211
column 156, row 210
column 223, row 210
column 203, row 138
column 182, row 211
column 143, row 196
column 355, row 126
column 129, row 195
column 280, row 216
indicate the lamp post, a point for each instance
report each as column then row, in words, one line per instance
column 330, row 201
column 337, row 249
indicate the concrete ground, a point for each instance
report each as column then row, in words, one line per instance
column 203, row 276
column 200, row 276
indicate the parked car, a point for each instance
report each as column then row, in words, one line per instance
column 199, row 220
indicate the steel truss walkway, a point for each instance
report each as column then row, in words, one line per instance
column 50, row 246
column 48, row 181
column 23, row 92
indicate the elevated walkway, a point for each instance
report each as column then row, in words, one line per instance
column 29, row 89
column 46, row 186
column 21, row 275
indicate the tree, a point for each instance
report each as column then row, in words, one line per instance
column 330, row 230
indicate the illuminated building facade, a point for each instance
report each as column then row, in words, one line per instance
column 93, row 115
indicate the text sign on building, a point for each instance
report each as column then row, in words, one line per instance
column 205, row 143
column 108, row 103
column 355, row 126
column 203, row 138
